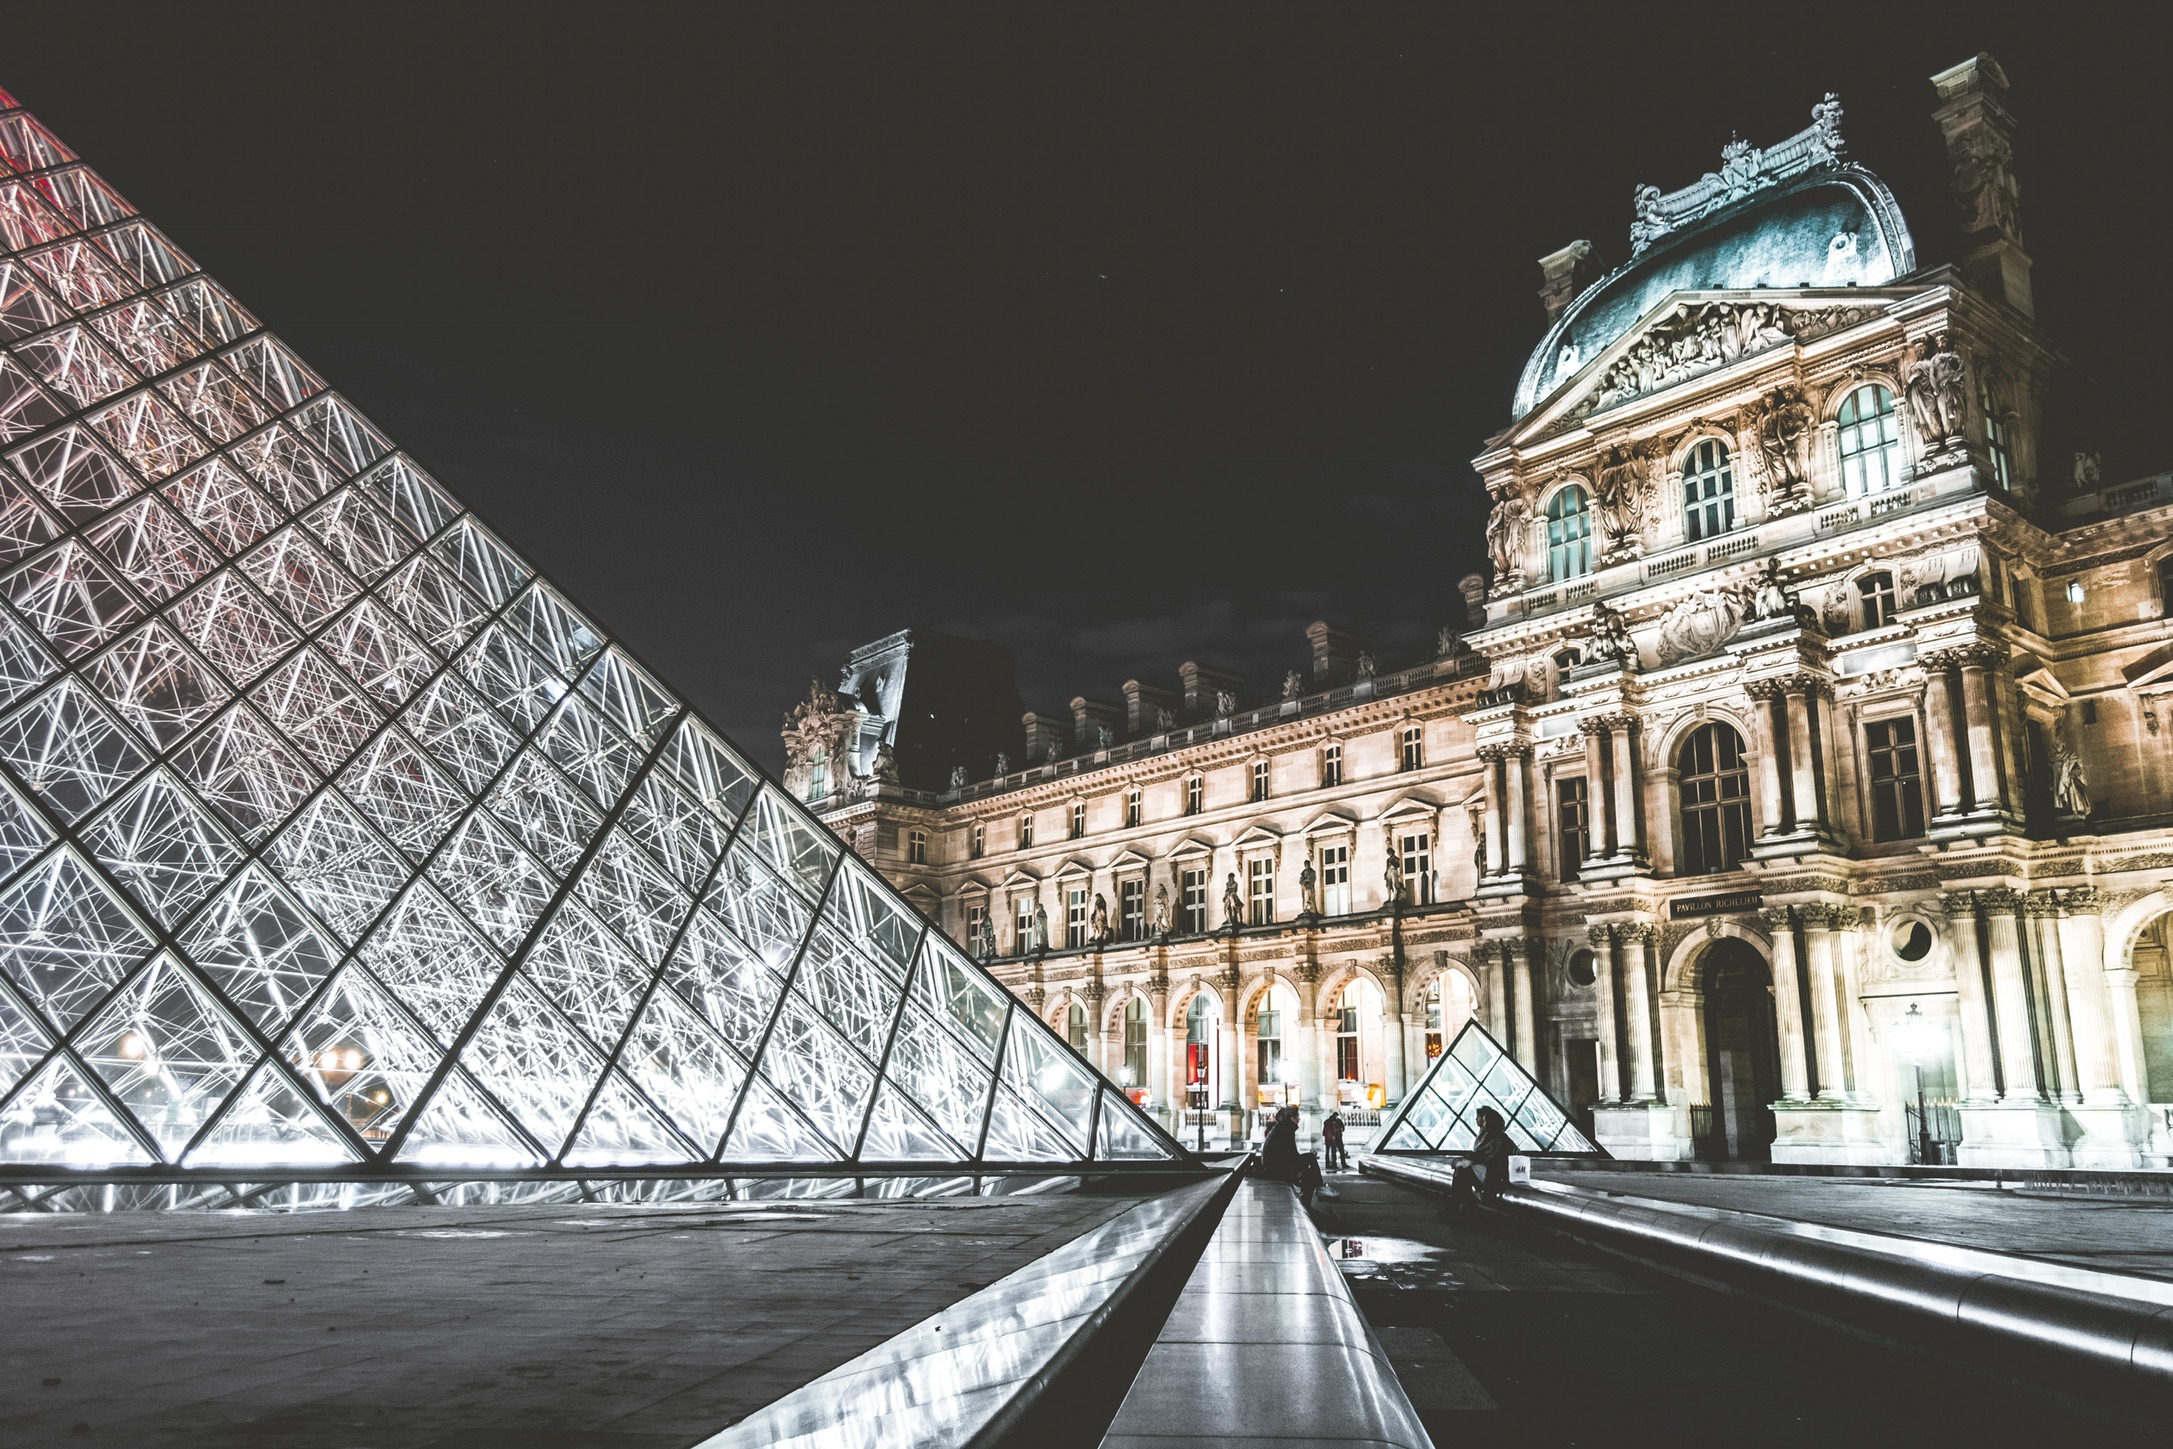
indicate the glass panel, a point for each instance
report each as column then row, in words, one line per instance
column 58, row 1118
column 68, row 750
column 65, row 939
column 271, row 1123
column 433, row 962
column 163, row 846
column 168, row 1053
column 260, row 949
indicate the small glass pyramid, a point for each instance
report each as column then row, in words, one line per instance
column 1440, row 1114
column 332, row 834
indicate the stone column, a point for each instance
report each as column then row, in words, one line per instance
column 1772, row 805
column 1971, row 1003
column 1629, row 825
column 1519, row 952
column 1392, row 1049
column 1788, row 1005
column 1490, row 759
column 1982, row 753
column 1516, row 773
column 1940, row 741
column 1603, row 989
column 1637, row 1043
column 1818, row 927
column 2043, row 909
column 2127, row 1032
column 2089, row 997
column 2010, row 996
column 1308, row 1044
column 1158, row 1044
column 1226, row 1045
column 1603, row 832
column 1487, row 955
column 1097, row 1032
column 1802, row 777
column 1830, row 755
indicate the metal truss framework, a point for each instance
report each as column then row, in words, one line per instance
column 1441, row 1113
column 331, row 836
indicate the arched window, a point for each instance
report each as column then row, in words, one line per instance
column 1876, row 594
column 1869, row 433
column 1569, row 533
column 1708, row 491
column 1075, row 1026
column 1135, row 1043
column 1715, row 783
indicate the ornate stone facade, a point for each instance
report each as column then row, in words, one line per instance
column 1798, row 795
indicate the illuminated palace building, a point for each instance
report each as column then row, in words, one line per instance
column 1793, row 788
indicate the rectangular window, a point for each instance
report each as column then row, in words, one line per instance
column 1194, row 893
column 1260, row 779
column 1414, row 747
column 1269, row 1035
column 916, row 847
column 1573, row 823
column 1075, row 917
column 1335, row 880
column 1418, row 867
column 1195, row 795
column 1346, row 1044
column 1260, row 878
column 1026, row 832
column 1133, row 801
column 1024, row 939
column 1078, row 818
column 1331, row 766
column 1879, row 602
column 980, row 840
column 1132, row 910
column 1897, row 786
column 974, row 916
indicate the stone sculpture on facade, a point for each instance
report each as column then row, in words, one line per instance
column 1448, row 642
column 1308, row 903
column 1475, row 807
column 1293, row 686
column 984, row 938
column 1785, row 425
column 1233, row 904
column 1003, row 764
column 1624, row 501
column 1933, row 383
column 819, row 736
column 1161, row 912
column 1695, row 339
column 1225, row 703
column 1041, row 929
column 1098, row 920
column 1165, row 720
column 2089, row 472
column 1505, row 528
column 886, row 764
column 1392, row 880
column 2070, row 788
column 958, row 777
column 1771, row 599
column 1366, row 666
column 1610, row 641
column 1700, row 624
column 1744, row 168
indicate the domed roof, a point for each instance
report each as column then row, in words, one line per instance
column 1792, row 216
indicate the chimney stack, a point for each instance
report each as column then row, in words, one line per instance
column 1564, row 274
column 1980, row 131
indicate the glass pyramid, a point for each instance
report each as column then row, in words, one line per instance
column 331, row 834
column 1441, row 1114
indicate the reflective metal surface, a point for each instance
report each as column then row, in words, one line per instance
column 1266, row 1344
column 944, row 1379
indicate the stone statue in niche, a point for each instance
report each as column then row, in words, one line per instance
column 1932, row 384
column 1308, row 902
column 1623, row 500
column 1505, row 528
column 1610, row 642
column 1392, row 879
column 1785, row 424
column 1041, row 929
column 1233, row 904
column 1770, row 598
column 1161, row 911
column 958, row 777
column 2070, row 789
column 1098, row 920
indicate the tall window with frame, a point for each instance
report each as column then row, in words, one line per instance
column 818, row 774
column 1192, row 890
column 1331, row 765
column 1573, row 822
column 1259, row 780
column 979, row 839
column 1195, row 795
column 1708, row 491
column 1867, row 434
column 1260, row 889
column 1075, row 1027
column 1897, row 783
column 1999, row 444
column 1023, row 925
column 1713, row 779
column 1078, row 818
column 1198, row 1049
column 1346, row 1039
column 1075, row 917
column 1569, row 533
column 976, row 913
column 1132, row 909
column 1135, row 1044
column 1876, row 600
column 1433, row 1020
column 1268, row 1040
column 1026, row 831
column 1135, row 801
column 916, row 847
column 1417, row 849
column 1335, row 879
column 1411, row 747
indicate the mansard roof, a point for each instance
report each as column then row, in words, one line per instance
column 1795, row 215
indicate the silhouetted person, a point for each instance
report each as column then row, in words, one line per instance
column 1331, row 1141
column 1485, row 1170
column 1280, row 1160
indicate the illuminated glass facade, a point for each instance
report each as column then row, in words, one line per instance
column 1441, row 1114
column 331, row 834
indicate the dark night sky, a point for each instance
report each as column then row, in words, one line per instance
column 1121, row 337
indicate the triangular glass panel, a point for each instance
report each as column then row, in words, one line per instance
column 1441, row 1113
column 57, row 1118
column 621, row 1128
column 271, row 1124
column 167, row 1052
column 389, row 792
column 897, row 1133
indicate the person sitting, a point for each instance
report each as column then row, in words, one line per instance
column 1483, row 1174
column 1280, row 1160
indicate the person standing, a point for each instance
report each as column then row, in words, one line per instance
column 1331, row 1141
